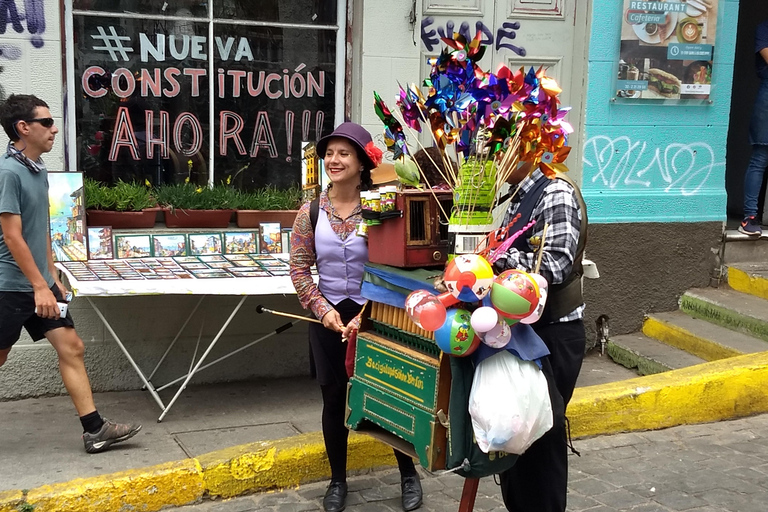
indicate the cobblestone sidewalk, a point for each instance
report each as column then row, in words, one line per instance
column 717, row 467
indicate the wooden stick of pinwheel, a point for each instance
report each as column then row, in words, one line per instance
column 541, row 248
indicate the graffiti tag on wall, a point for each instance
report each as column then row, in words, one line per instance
column 30, row 19
column 621, row 163
column 431, row 34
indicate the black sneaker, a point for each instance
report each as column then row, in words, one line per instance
column 750, row 226
column 109, row 434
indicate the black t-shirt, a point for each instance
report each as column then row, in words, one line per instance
column 761, row 42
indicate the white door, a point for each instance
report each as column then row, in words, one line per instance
column 521, row 33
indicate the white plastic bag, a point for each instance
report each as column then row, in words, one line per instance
column 509, row 404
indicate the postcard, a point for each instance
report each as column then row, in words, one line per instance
column 133, row 246
column 285, row 235
column 211, row 273
column 67, row 216
column 237, row 257
column 221, row 264
column 247, row 272
column 246, row 263
column 271, row 238
column 211, row 259
column 170, row 245
column 204, row 243
column 194, row 266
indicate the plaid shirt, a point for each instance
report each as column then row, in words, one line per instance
column 559, row 208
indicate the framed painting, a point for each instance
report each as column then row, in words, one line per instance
column 241, row 243
column 169, row 245
column 133, row 246
column 100, row 243
column 67, row 213
column 204, row 243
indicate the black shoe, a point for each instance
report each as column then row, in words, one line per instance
column 412, row 493
column 335, row 497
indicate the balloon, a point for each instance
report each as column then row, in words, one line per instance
column 484, row 319
column 515, row 294
column 499, row 336
column 425, row 310
column 447, row 300
column 544, row 290
column 456, row 336
column 468, row 277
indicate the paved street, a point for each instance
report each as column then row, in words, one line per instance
column 719, row 467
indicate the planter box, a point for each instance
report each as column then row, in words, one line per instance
column 197, row 218
column 122, row 220
column 254, row 218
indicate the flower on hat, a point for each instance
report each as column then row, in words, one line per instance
column 374, row 153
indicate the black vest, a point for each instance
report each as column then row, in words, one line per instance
column 566, row 296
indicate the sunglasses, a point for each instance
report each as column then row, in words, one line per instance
column 45, row 121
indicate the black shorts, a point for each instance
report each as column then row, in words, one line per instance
column 17, row 310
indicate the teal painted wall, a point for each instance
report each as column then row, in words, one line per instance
column 651, row 162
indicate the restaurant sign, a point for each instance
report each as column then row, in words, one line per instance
column 667, row 50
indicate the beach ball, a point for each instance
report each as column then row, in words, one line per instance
column 544, row 292
column 456, row 336
column 484, row 319
column 468, row 277
column 515, row 294
column 499, row 336
column 425, row 310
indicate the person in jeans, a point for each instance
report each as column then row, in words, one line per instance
column 758, row 137
column 30, row 289
column 349, row 156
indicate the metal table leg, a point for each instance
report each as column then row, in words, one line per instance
column 191, row 314
column 147, row 384
column 202, row 358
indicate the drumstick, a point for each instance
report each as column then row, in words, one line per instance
column 262, row 309
column 541, row 249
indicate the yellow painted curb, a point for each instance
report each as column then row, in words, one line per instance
column 683, row 339
column 745, row 283
column 284, row 463
column 708, row 392
column 10, row 500
column 147, row 489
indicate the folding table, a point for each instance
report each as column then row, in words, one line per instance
column 238, row 286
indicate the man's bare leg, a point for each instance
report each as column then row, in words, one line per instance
column 71, row 350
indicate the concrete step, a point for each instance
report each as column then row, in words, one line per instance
column 647, row 355
column 749, row 277
column 728, row 308
column 740, row 248
column 700, row 337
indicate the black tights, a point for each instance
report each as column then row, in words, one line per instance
column 335, row 434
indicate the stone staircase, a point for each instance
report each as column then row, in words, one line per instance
column 711, row 323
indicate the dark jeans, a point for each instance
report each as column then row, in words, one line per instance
column 753, row 178
column 538, row 482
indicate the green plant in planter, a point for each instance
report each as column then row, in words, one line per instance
column 270, row 198
column 187, row 196
column 122, row 197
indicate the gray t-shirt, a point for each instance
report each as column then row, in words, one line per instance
column 24, row 193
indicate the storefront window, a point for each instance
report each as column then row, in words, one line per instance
column 144, row 86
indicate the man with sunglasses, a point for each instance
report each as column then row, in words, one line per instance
column 30, row 289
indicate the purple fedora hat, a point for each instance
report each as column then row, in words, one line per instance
column 359, row 136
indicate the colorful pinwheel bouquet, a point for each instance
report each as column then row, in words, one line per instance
column 484, row 124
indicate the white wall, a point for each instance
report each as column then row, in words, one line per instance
column 389, row 55
column 31, row 63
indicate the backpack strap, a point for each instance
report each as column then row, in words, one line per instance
column 314, row 212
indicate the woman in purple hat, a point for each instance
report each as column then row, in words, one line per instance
column 349, row 156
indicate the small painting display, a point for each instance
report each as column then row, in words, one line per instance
column 170, row 245
column 67, row 213
column 271, row 238
column 204, row 243
column 240, row 243
column 100, row 243
column 133, row 246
